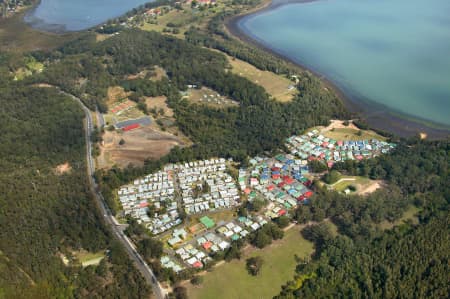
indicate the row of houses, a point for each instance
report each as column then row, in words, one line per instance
column 170, row 263
column 313, row 145
column 192, row 256
column 157, row 189
column 206, row 186
column 203, row 186
column 280, row 180
column 199, row 251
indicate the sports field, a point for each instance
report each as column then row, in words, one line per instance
column 231, row 280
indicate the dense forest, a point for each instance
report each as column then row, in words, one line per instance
column 45, row 214
column 363, row 261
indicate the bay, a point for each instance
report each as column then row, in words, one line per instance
column 75, row 15
column 393, row 53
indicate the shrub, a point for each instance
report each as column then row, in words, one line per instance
column 254, row 265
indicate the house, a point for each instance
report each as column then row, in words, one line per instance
column 172, row 242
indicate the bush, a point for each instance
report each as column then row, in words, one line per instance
column 282, row 221
column 122, row 141
column 197, row 280
column 180, row 292
column 254, row 265
column 317, row 166
column 332, row 177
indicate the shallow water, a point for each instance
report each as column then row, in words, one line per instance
column 75, row 15
column 390, row 52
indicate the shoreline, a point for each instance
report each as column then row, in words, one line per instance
column 376, row 115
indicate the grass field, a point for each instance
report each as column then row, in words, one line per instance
column 352, row 134
column 231, row 280
column 275, row 85
column 182, row 19
column 89, row 258
column 346, row 181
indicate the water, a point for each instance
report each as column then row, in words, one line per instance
column 391, row 52
column 75, row 15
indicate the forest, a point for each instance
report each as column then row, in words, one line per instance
column 45, row 214
column 363, row 261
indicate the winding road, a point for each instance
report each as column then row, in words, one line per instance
column 139, row 262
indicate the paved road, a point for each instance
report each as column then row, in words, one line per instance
column 145, row 270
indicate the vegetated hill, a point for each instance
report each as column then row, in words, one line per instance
column 87, row 68
column 45, row 214
column 411, row 260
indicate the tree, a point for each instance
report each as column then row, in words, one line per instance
column 282, row 221
column 150, row 248
column 256, row 204
column 233, row 252
column 180, row 292
column 261, row 239
column 254, row 265
column 332, row 177
column 317, row 166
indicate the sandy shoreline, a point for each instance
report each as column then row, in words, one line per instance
column 377, row 116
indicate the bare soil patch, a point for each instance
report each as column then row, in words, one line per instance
column 140, row 144
column 159, row 103
column 370, row 188
column 63, row 168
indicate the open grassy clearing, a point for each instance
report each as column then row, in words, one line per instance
column 352, row 134
column 219, row 216
column 362, row 185
column 279, row 87
column 159, row 105
column 231, row 280
column 210, row 98
column 346, row 181
column 182, row 19
column 158, row 73
column 409, row 215
column 115, row 94
column 89, row 258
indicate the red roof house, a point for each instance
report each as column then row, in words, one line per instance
column 207, row 245
column 308, row 194
column 131, row 127
column 197, row 264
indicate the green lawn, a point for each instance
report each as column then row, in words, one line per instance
column 231, row 280
column 352, row 134
column 85, row 257
column 346, row 181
